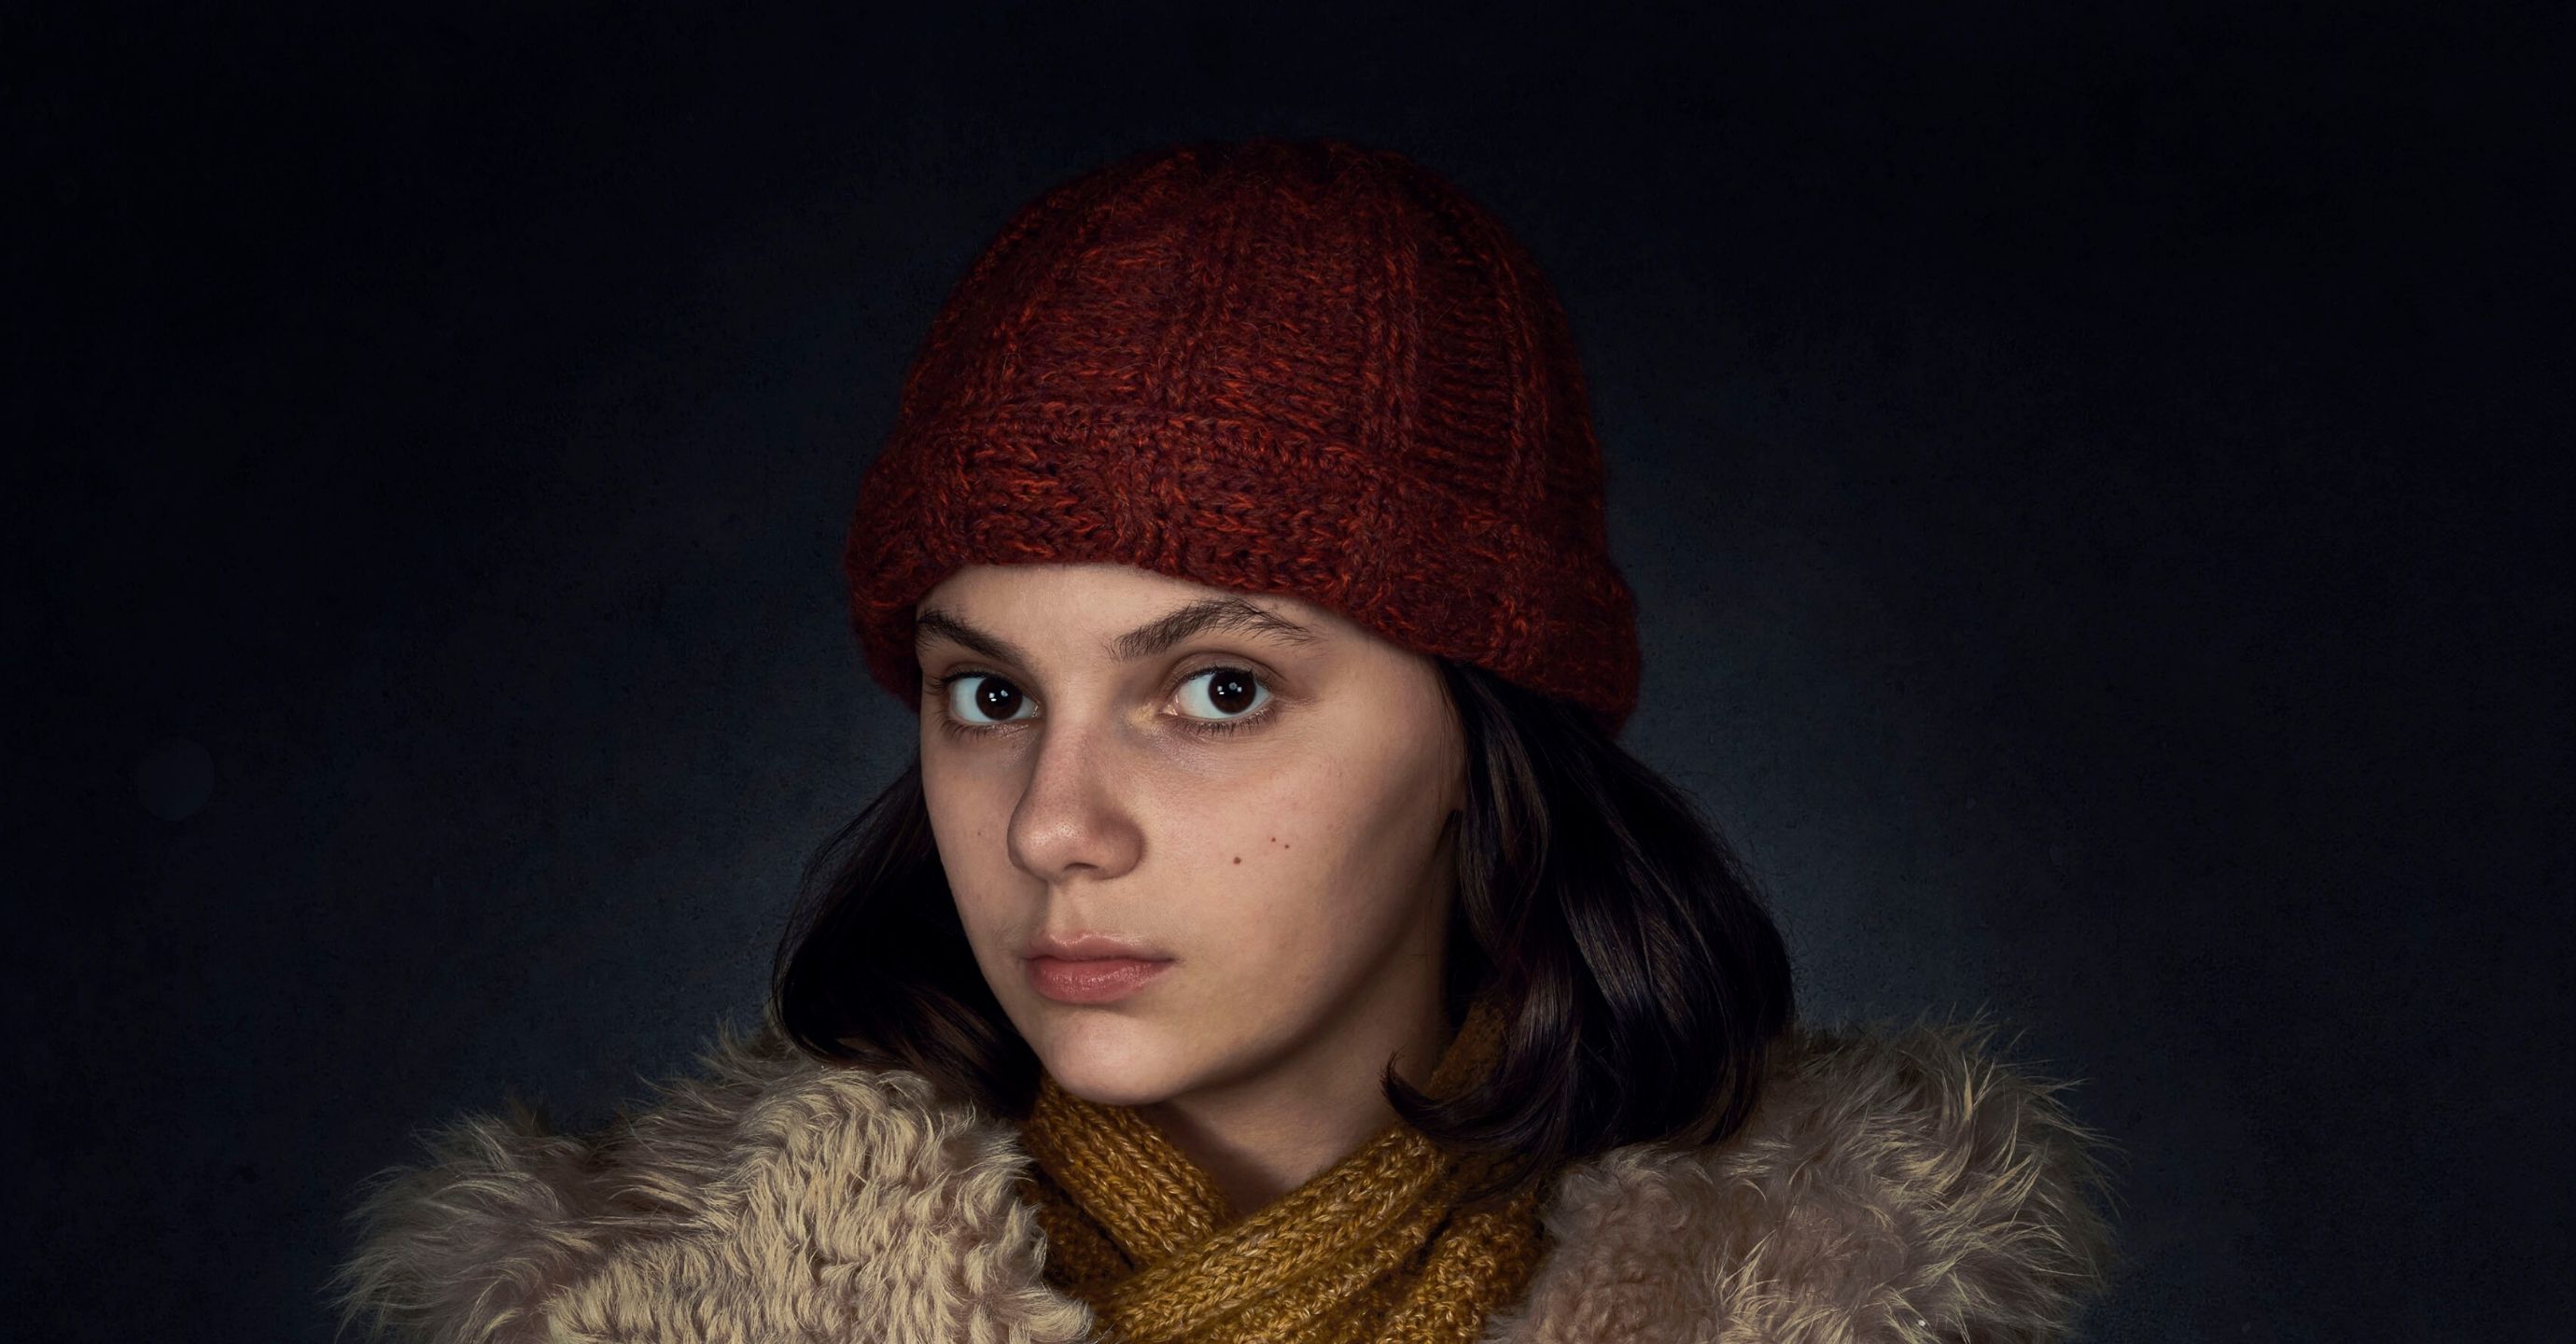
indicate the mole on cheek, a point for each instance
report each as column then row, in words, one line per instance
column 1238, row 858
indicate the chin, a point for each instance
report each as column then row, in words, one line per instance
column 1109, row 1060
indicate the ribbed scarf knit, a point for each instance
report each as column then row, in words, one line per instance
column 1375, row 1250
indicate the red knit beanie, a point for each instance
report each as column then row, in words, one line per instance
column 1270, row 366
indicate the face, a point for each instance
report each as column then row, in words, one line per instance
column 1251, row 788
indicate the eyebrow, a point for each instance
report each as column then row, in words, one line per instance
column 1214, row 614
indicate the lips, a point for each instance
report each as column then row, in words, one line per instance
column 1092, row 980
column 1089, row 946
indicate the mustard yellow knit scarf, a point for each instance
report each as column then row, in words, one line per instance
column 1373, row 1251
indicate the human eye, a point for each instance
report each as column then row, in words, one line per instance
column 976, row 703
column 1224, row 699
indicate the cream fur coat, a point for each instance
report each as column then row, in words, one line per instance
column 1895, row 1184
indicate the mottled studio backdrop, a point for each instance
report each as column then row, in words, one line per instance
column 2093, row 477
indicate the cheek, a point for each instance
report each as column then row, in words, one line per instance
column 968, row 827
column 1310, row 868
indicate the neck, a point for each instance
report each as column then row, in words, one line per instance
column 1260, row 1138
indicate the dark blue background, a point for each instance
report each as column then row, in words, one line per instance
column 2093, row 477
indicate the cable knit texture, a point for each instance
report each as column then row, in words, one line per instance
column 1372, row 1251
column 1269, row 366
column 1895, row 1185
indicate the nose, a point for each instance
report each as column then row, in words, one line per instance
column 1074, row 817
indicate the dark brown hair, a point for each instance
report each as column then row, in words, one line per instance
column 1643, row 980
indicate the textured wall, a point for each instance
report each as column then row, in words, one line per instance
column 2082, row 475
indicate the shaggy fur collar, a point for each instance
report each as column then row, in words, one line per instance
column 1895, row 1184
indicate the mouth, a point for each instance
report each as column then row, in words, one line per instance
column 1092, row 980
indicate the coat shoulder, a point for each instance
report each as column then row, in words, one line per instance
column 693, row 1217
column 1896, row 1182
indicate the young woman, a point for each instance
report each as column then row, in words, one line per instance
column 1271, row 941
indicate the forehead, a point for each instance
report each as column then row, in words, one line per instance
column 1094, row 596
column 1116, row 613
